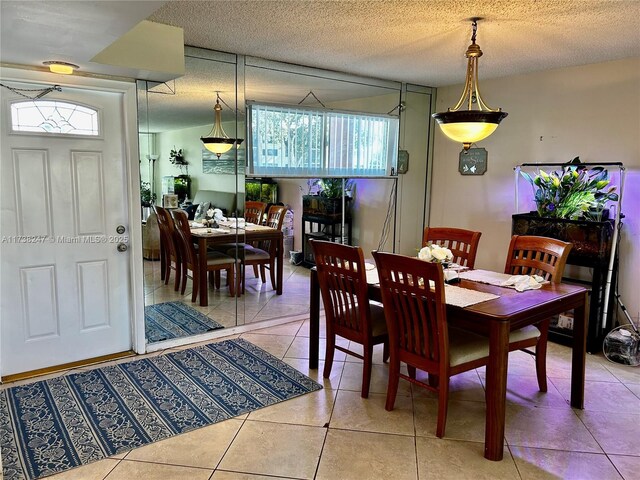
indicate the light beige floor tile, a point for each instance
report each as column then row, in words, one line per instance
column 440, row 459
column 275, row 449
column 465, row 420
column 352, row 379
column 352, row 412
column 302, row 365
column 304, row 330
column 635, row 388
column 617, row 432
column 541, row 464
column 276, row 345
column 367, row 456
column 464, row 386
column 560, row 367
column 541, row 427
column 282, row 310
column 129, row 470
column 313, row 409
column 300, row 349
column 286, row 329
column 624, row 373
column 626, row 465
column 601, row 396
column 223, row 475
column 201, row 448
column 358, row 348
column 92, row 471
column 290, row 298
column 524, row 390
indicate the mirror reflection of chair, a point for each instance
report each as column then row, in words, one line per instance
column 169, row 254
column 350, row 315
column 547, row 257
column 263, row 254
column 418, row 332
column 216, row 261
column 462, row 243
column 254, row 212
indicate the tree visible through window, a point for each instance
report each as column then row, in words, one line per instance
column 304, row 142
column 55, row 117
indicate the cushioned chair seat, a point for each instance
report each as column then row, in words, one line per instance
column 217, row 258
column 249, row 253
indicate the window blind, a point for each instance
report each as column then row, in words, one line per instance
column 297, row 141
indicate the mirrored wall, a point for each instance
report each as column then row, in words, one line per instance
column 178, row 173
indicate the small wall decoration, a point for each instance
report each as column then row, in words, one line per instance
column 403, row 161
column 473, row 161
column 170, row 200
column 226, row 164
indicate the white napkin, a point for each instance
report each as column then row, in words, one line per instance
column 524, row 282
column 197, row 225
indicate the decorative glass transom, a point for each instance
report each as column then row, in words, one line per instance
column 51, row 116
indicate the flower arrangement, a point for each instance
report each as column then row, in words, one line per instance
column 147, row 197
column 574, row 193
column 435, row 253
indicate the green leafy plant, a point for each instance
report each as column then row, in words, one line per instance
column 332, row 187
column 576, row 192
column 147, row 197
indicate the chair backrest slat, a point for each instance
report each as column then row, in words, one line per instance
column 462, row 243
column 532, row 255
column 254, row 211
column 167, row 230
column 413, row 298
column 183, row 236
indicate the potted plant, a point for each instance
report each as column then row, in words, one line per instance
column 147, row 197
column 571, row 206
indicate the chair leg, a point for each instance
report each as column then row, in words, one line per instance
column 385, row 351
column 541, row 355
column 167, row 273
column 183, row 282
column 263, row 276
column 217, row 279
column 443, row 404
column 433, row 380
column 366, row 371
column 176, row 283
column 231, row 282
column 412, row 371
column 255, row 271
column 196, row 284
column 328, row 356
column 272, row 274
column 394, row 378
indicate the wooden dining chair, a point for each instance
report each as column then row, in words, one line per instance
column 349, row 314
column 169, row 252
column 462, row 243
column 547, row 257
column 419, row 336
column 216, row 261
column 254, row 212
column 263, row 254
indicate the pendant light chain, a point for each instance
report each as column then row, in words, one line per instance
column 43, row 91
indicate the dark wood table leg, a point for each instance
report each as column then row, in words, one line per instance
column 203, row 289
column 314, row 320
column 496, row 390
column 578, row 355
column 279, row 259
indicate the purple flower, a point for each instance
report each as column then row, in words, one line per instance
column 551, row 207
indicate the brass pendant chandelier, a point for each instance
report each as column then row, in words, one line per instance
column 218, row 141
column 470, row 125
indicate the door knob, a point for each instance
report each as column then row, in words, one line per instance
column 120, row 229
column 122, row 247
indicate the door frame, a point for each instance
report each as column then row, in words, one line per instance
column 127, row 87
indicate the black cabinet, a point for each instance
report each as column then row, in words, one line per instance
column 592, row 243
column 323, row 227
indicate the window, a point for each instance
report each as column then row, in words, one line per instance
column 54, row 117
column 296, row 141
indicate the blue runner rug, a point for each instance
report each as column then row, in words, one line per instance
column 54, row 425
column 163, row 321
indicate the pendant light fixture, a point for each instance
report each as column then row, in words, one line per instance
column 470, row 125
column 218, row 141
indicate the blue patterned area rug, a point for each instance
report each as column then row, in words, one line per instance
column 54, row 425
column 163, row 321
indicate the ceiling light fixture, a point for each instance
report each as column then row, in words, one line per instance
column 218, row 141
column 62, row 68
column 470, row 126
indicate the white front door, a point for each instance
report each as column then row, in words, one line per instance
column 65, row 286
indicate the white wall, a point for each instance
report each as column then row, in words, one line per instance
column 188, row 139
column 591, row 111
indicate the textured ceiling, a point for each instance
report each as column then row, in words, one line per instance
column 421, row 42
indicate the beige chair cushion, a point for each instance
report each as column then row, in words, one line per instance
column 250, row 253
column 524, row 333
column 217, row 258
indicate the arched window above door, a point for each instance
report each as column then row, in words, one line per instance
column 54, row 117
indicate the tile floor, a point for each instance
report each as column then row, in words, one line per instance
column 335, row 434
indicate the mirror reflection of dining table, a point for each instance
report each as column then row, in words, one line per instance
column 494, row 318
column 227, row 233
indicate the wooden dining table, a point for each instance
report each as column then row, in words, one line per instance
column 495, row 319
column 254, row 233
